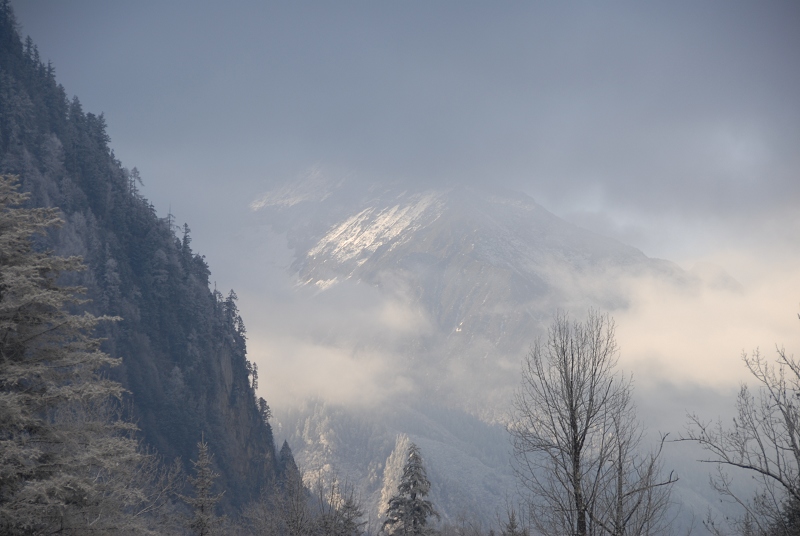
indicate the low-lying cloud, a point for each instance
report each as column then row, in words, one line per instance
column 343, row 345
column 357, row 345
column 697, row 334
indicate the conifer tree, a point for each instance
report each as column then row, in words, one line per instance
column 512, row 527
column 294, row 509
column 286, row 464
column 66, row 459
column 204, row 521
column 409, row 510
column 263, row 408
column 350, row 514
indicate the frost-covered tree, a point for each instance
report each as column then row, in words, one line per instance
column 349, row 515
column 577, row 440
column 68, row 462
column 204, row 520
column 262, row 515
column 409, row 510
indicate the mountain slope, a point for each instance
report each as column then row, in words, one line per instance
column 183, row 346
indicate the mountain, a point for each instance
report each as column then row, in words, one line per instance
column 486, row 269
column 481, row 271
column 182, row 344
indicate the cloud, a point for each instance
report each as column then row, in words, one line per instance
column 296, row 370
column 663, row 107
column 359, row 345
column 696, row 335
column 347, row 345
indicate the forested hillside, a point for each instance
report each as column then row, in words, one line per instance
column 182, row 345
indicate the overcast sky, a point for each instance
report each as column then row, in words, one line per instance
column 672, row 126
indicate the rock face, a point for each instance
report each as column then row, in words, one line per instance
column 486, row 270
column 182, row 345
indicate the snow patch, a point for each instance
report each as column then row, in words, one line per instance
column 359, row 236
column 325, row 284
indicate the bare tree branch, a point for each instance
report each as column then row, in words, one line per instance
column 576, row 438
column 764, row 441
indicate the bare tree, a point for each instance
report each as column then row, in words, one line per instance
column 764, row 441
column 576, row 439
column 634, row 499
column 266, row 515
column 466, row 523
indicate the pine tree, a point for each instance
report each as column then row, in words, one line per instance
column 286, row 465
column 294, row 508
column 350, row 514
column 68, row 462
column 511, row 527
column 205, row 521
column 263, row 408
column 409, row 511
column 65, row 456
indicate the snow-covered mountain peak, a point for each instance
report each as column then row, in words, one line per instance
column 360, row 235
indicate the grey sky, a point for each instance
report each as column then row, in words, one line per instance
column 674, row 126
